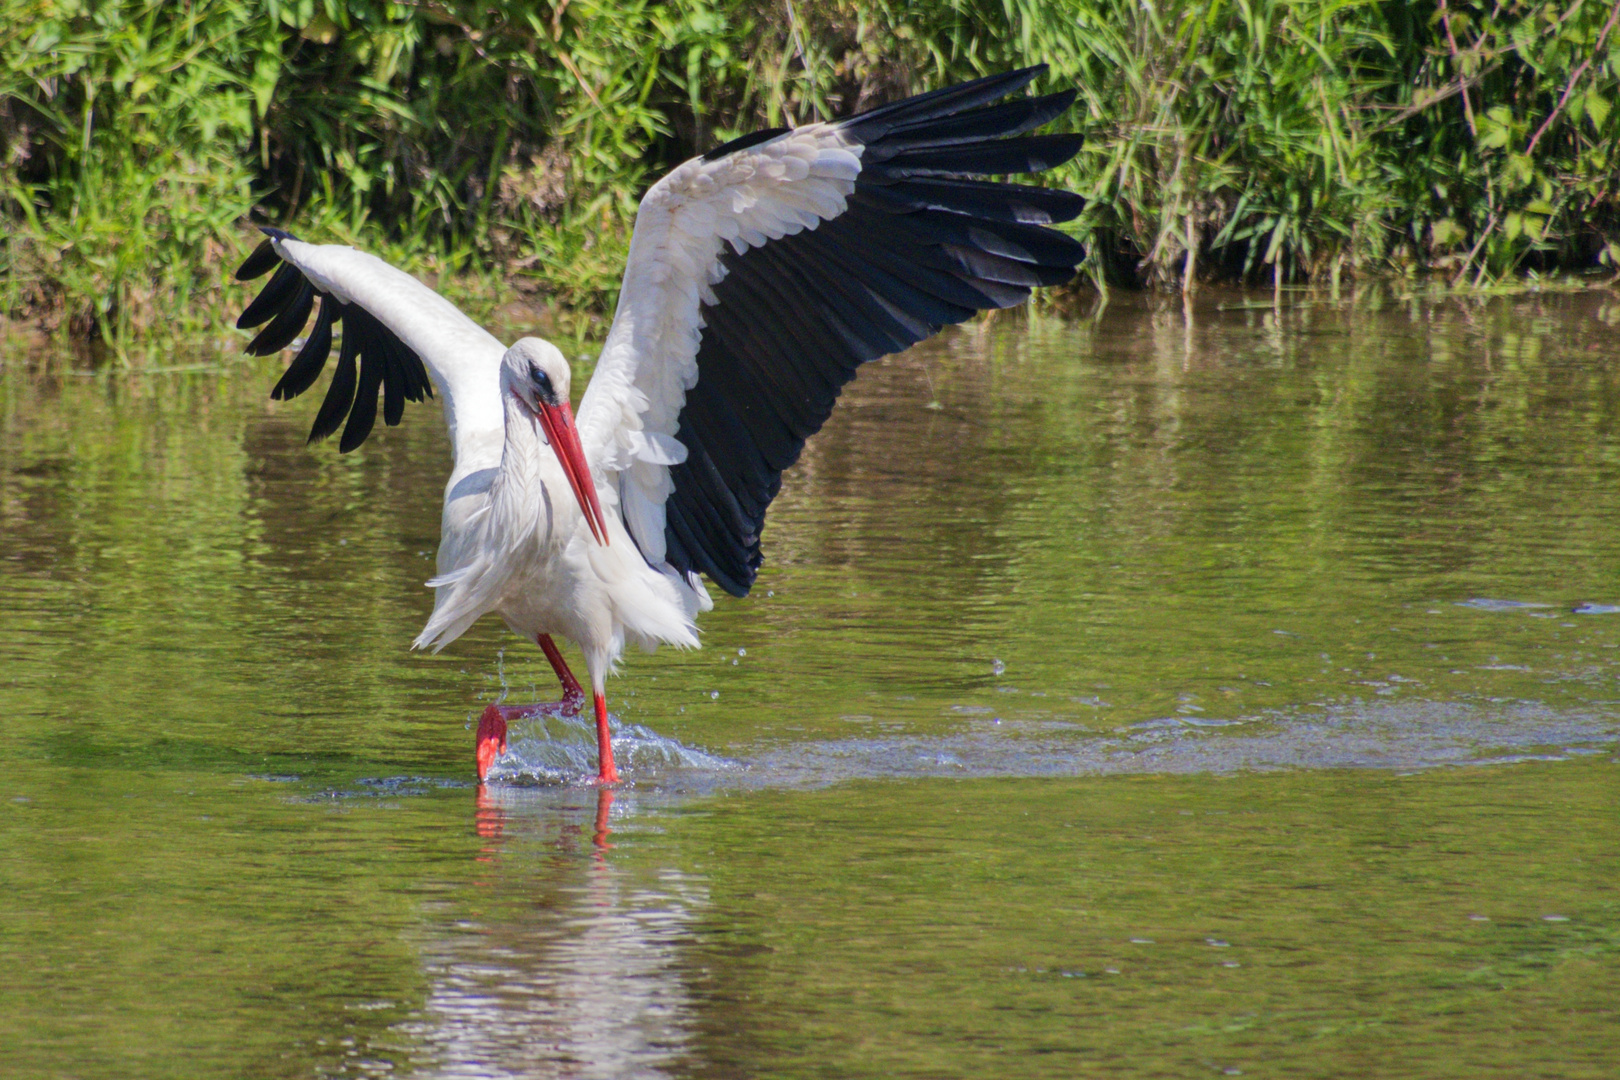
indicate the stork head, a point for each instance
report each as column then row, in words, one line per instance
column 536, row 375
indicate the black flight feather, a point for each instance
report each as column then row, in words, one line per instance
column 753, row 138
column 284, row 283
column 287, row 323
column 340, row 394
column 306, row 366
column 259, row 263
column 363, row 416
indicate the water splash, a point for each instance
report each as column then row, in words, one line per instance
column 1386, row 735
column 555, row 746
column 1485, row 603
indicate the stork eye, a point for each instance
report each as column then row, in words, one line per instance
column 542, row 386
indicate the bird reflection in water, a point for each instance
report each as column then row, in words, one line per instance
column 490, row 820
column 569, row 964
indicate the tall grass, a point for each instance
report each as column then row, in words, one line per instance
column 1259, row 140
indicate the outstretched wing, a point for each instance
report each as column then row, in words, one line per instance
column 763, row 274
column 390, row 324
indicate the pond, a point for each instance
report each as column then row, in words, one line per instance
column 1156, row 693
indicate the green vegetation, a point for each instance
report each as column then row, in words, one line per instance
column 1258, row 140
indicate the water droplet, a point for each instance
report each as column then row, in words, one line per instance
column 770, row 592
column 734, row 663
column 998, row 667
column 742, row 652
column 1217, row 943
column 1111, row 971
column 1141, row 941
column 343, row 543
column 1479, row 918
column 1555, row 918
column 714, row 695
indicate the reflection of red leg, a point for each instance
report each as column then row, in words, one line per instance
column 491, row 738
column 489, row 820
column 604, row 803
column 571, row 689
column 605, row 772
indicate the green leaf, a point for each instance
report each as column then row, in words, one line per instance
column 1493, row 133
column 1445, row 233
column 1597, row 107
column 266, row 71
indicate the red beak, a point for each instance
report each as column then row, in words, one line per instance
column 558, row 420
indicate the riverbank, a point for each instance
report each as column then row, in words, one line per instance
column 499, row 149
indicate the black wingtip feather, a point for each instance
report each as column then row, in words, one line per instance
column 264, row 256
column 311, row 359
column 988, row 157
column 258, row 263
column 1017, row 117
column 753, row 138
column 339, row 394
column 283, row 285
column 287, row 323
column 363, row 416
column 945, row 101
column 974, row 198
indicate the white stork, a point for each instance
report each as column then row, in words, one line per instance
column 761, row 276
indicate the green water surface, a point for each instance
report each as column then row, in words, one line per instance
column 1138, row 695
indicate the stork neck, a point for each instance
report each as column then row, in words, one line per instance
column 522, row 429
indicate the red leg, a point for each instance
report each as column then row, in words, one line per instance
column 570, row 685
column 605, row 772
column 491, row 738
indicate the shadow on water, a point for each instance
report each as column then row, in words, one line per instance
column 1113, row 699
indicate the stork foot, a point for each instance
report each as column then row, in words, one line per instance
column 491, row 737
column 492, row 725
column 492, row 732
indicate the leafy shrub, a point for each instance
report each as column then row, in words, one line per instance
column 1251, row 139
